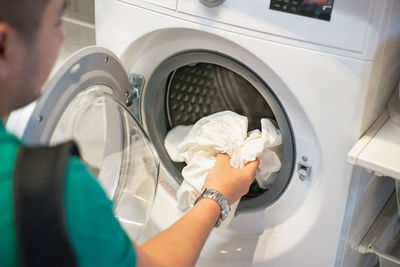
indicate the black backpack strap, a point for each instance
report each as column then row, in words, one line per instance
column 39, row 206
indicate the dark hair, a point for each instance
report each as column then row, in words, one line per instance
column 23, row 15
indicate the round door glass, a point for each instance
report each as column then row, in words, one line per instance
column 116, row 150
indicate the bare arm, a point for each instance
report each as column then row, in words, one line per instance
column 181, row 243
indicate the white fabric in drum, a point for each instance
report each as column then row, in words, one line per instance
column 224, row 132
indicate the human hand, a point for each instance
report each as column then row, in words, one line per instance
column 233, row 183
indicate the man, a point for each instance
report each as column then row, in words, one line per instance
column 31, row 34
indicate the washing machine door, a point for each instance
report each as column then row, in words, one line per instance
column 88, row 100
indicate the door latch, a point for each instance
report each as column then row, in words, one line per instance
column 136, row 82
column 303, row 170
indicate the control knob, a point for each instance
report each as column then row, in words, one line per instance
column 212, row 3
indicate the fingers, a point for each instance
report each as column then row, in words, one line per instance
column 223, row 156
column 231, row 182
column 250, row 168
column 252, row 164
column 222, row 159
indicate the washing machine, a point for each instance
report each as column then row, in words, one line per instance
column 322, row 72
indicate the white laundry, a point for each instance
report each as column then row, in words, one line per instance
column 223, row 132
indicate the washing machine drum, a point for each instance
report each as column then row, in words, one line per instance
column 198, row 90
column 202, row 89
column 189, row 86
column 86, row 101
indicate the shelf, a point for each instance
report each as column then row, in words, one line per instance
column 379, row 149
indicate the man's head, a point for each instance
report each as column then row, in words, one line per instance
column 31, row 34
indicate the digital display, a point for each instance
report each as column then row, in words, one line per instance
column 319, row 9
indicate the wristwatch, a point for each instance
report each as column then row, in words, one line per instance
column 220, row 199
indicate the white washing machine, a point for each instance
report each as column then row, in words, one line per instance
column 323, row 73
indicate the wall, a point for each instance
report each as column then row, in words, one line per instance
column 82, row 10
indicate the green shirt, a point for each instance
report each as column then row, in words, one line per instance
column 95, row 235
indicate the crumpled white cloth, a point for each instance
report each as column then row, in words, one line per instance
column 223, row 132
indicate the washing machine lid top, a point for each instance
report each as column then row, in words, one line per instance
column 85, row 100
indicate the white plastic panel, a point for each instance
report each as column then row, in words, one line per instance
column 379, row 149
column 171, row 4
column 346, row 30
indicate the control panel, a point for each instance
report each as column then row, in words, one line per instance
column 334, row 24
column 319, row 9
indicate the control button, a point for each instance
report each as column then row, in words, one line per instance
column 284, row 7
column 212, row 3
column 277, row 6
